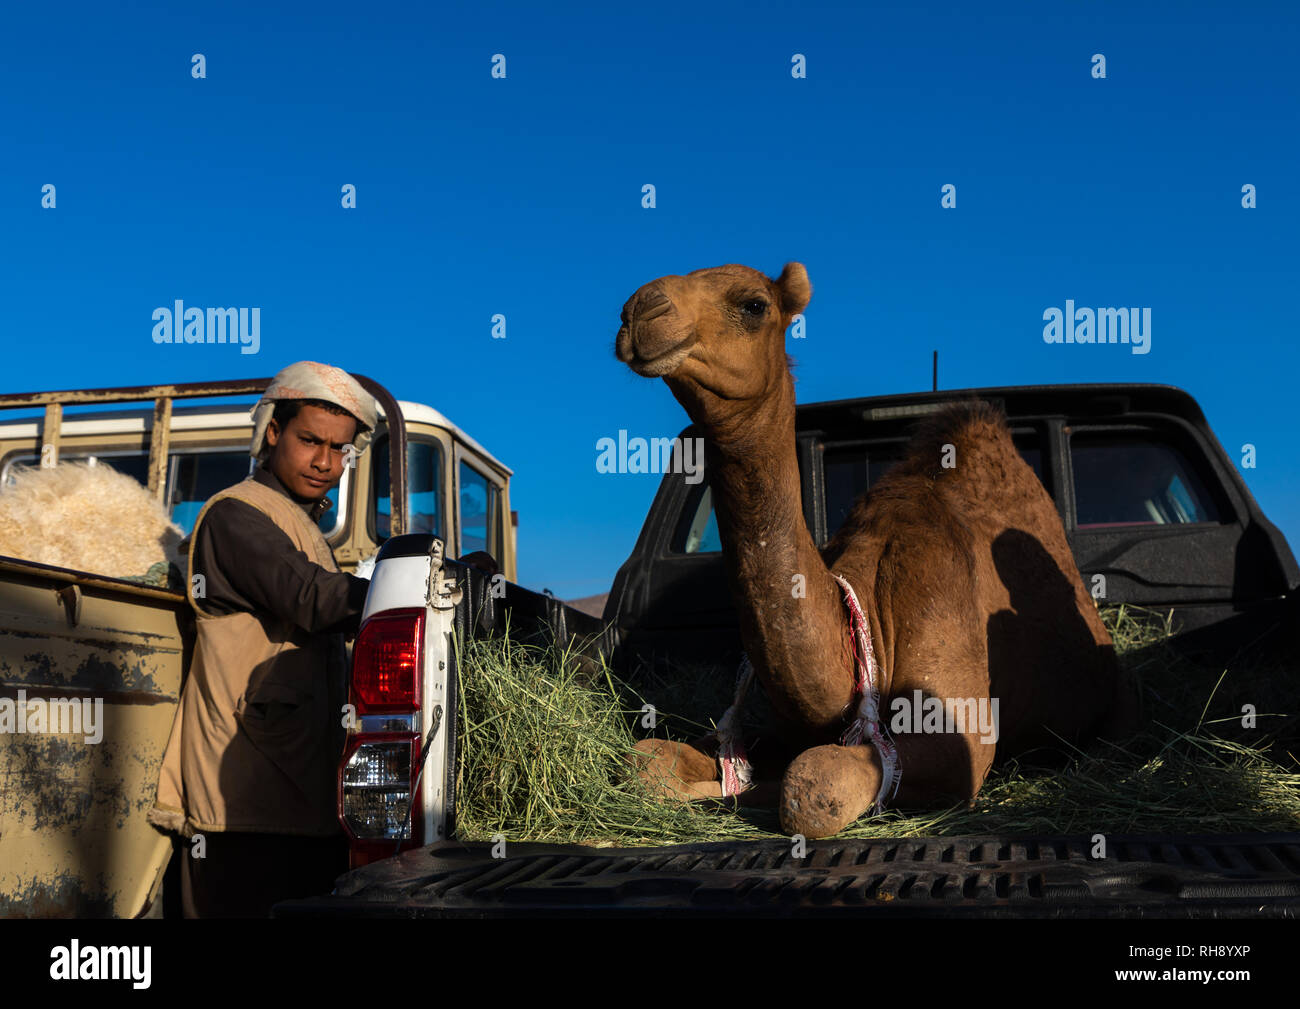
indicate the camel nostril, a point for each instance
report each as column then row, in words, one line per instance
column 653, row 306
column 623, row 344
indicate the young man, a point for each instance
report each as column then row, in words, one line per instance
column 253, row 755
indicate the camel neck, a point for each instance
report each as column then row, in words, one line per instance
column 783, row 591
column 754, row 473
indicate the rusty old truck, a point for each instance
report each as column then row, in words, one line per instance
column 74, row 839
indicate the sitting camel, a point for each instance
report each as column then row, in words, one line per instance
column 952, row 577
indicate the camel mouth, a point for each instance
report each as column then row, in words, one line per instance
column 661, row 364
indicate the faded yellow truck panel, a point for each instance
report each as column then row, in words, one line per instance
column 74, row 838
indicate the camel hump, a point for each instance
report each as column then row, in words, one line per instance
column 968, row 441
column 965, row 452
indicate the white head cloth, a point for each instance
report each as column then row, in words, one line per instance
column 310, row 380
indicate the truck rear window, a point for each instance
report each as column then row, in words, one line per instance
column 192, row 478
column 197, row 476
column 850, row 470
column 1123, row 479
column 133, row 464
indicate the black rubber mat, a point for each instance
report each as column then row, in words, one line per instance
column 1189, row 876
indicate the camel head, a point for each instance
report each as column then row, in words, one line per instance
column 715, row 336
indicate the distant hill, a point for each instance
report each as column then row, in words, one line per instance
column 595, row 605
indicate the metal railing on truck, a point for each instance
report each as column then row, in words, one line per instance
column 160, row 425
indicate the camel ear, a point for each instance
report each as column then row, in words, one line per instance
column 796, row 290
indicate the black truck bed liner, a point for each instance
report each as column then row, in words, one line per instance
column 1187, row 876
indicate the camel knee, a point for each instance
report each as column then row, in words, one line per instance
column 675, row 770
column 682, row 759
column 827, row 788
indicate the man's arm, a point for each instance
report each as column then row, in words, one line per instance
column 248, row 563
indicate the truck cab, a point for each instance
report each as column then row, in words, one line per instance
column 456, row 489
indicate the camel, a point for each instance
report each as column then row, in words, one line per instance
column 956, row 562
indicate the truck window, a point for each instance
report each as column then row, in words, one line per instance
column 192, row 478
column 850, row 470
column 702, row 530
column 133, row 464
column 423, row 483
column 480, row 512
column 1135, row 479
column 196, row 476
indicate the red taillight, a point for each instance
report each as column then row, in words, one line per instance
column 378, row 805
column 386, row 662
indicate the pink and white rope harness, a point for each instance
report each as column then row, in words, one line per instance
column 737, row 775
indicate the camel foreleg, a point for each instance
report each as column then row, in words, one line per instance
column 827, row 787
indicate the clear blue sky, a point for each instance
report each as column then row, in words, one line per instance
column 522, row 196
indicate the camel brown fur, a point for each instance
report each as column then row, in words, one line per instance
column 957, row 556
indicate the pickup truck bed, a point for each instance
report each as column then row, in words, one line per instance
column 1193, row 541
column 75, row 839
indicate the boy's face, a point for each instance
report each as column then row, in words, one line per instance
column 307, row 456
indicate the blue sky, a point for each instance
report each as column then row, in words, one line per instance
column 522, row 197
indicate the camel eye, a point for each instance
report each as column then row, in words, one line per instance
column 755, row 307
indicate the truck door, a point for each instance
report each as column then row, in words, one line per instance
column 1151, row 509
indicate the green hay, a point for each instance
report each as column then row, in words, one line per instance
column 543, row 755
column 544, row 738
column 163, row 575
